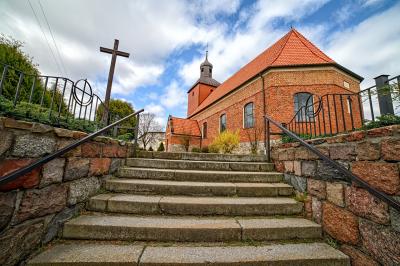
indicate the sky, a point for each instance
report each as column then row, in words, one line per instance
column 167, row 40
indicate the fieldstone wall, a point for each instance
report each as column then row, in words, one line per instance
column 34, row 207
column 363, row 226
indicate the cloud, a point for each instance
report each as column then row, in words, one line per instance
column 159, row 112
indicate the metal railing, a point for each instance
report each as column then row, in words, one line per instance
column 353, row 178
column 331, row 114
column 60, row 98
column 22, row 171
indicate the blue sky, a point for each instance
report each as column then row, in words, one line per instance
column 167, row 40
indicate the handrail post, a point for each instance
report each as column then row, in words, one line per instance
column 136, row 134
column 3, row 77
column 268, row 148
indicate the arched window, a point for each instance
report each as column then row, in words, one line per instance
column 300, row 102
column 248, row 115
column 204, row 130
column 222, row 123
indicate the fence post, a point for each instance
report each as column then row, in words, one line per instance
column 268, row 148
column 384, row 98
column 3, row 77
column 136, row 134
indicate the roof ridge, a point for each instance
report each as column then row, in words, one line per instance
column 283, row 46
column 300, row 36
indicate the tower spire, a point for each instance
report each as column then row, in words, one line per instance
column 206, row 67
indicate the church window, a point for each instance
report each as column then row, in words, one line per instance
column 300, row 100
column 248, row 115
column 222, row 123
column 192, row 93
column 204, row 133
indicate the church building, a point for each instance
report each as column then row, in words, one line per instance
column 277, row 82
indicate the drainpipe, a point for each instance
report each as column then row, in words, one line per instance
column 264, row 113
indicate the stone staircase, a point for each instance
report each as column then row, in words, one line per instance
column 193, row 209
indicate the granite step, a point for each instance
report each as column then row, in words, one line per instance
column 165, row 187
column 300, row 254
column 199, row 175
column 199, row 165
column 193, row 156
column 186, row 205
column 189, row 228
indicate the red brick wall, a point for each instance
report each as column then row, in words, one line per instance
column 197, row 95
column 280, row 88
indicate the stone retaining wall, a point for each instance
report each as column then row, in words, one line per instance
column 34, row 207
column 364, row 227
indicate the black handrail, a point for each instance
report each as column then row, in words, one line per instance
column 22, row 171
column 354, row 178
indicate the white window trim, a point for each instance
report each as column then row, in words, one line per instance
column 243, row 115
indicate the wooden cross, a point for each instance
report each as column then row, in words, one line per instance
column 114, row 53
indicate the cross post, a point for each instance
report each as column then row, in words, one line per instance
column 114, row 52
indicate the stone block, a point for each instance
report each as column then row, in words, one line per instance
column 31, row 145
column 323, row 149
column 110, row 150
column 335, row 193
column 342, row 152
column 391, row 149
column 395, row 217
column 63, row 133
column 357, row 257
column 340, row 223
column 363, row 204
column 19, row 242
column 6, row 141
column 356, row 136
column 301, row 153
column 316, row 206
column 40, row 202
column 316, row 188
column 80, row 190
column 327, row 172
column 288, row 166
column 52, row 172
column 368, row 150
column 380, row 132
column 381, row 242
column 298, row 182
column 297, row 168
column 28, row 180
column 7, row 205
column 41, row 128
column 17, row 124
column 99, row 166
column 79, row 134
column 91, row 149
column 308, row 168
column 76, row 168
column 76, row 152
column 286, row 154
column 122, row 151
column 115, row 164
column 381, row 175
column 279, row 166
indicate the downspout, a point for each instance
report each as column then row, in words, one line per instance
column 264, row 112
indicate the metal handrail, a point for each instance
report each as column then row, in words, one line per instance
column 22, row 171
column 354, row 178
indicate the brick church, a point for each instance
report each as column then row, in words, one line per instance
column 277, row 82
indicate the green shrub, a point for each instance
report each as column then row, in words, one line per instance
column 288, row 139
column 382, row 121
column 213, row 148
column 196, row 149
column 150, row 149
column 204, row 149
column 226, row 142
column 126, row 137
column 161, row 147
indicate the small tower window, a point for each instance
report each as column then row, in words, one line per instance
column 192, row 93
column 222, row 123
column 202, row 70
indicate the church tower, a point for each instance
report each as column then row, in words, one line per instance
column 203, row 87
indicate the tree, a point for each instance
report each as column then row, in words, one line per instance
column 147, row 125
column 161, row 147
column 118, row 109
column 253, row 135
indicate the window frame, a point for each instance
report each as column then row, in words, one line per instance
column 297, row 104
column 220, row 123
column 246, row 116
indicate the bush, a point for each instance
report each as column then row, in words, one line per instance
column 161, row 147
column 225, row 142
column 383, row 121
column 204, row 149
column 213, row 148
column 196, row 149
column 126, row 137
column 150, row 149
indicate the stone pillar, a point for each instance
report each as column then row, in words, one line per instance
column 384, row 97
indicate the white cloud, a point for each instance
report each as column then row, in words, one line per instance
column 158, row 111
column 174, row 96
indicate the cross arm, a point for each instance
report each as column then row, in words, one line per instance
column 122, row 54
column 106, row 50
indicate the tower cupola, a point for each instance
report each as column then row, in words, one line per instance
column 206, row 68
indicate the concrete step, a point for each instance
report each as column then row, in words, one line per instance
column 193, row 156
column 88, row 254
column 199, row 165
column 301, row 254
column 200, row 175
column 165, row 187
column 189, row 229
column 181, row 205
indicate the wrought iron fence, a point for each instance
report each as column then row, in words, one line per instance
column 58, row 99
column 331, row 114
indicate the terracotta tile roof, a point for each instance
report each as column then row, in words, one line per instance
column 292, row 49
column 185, row 126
